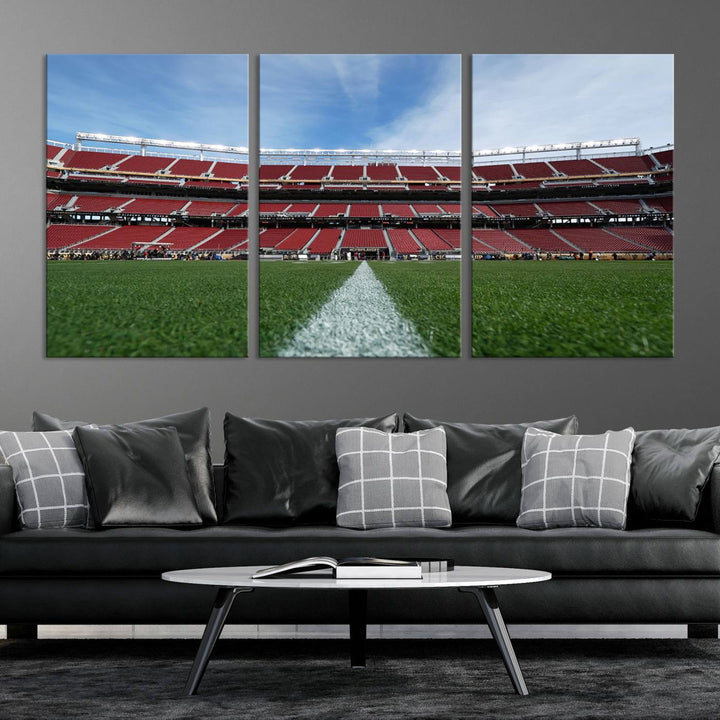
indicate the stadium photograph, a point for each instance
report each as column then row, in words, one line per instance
column 360, row 238
column 345, row 220
column 138, row 217
column 573, row 184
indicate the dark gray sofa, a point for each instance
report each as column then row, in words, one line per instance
column 640, row 575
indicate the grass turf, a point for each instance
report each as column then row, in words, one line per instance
column 290, row 294
column 146, row 309
column 572, row 309
column 427, row 294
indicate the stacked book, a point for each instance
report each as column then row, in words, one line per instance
column 357, row 568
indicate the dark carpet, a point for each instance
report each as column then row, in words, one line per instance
column 138, row 679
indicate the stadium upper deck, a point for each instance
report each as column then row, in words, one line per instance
column 65, row 163
column 105, row 199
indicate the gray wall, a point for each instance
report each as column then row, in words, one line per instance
column 602, row 392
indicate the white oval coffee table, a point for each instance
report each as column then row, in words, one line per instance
column 479, row 581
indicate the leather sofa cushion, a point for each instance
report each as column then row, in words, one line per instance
column 136, row 476
column 483, row 466
column 563, row 551
column 193, row 427
column 670, row 469
column 285, row 472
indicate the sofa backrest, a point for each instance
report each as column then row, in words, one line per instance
column 9, row 510
column 713, row 487
column 219, row 478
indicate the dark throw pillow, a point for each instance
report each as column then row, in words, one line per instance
column 136, row 476
column 483, row 466
column 285, row 472
column 669, row 471
column 193, row 428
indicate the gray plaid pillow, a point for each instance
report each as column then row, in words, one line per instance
column 392, row 479
column 49, row 478
column 575, row 480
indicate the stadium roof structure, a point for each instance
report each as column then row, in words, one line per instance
column 576, row 147
column 305, row 156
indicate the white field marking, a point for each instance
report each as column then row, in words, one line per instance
column 358, row 320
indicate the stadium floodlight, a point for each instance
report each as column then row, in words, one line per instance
column 161, row 143
column 557, row 147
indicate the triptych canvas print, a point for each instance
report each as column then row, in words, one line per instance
column 361, row 240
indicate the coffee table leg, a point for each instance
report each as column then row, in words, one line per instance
column 488, row 603
column 221, row 608
column 357, row 601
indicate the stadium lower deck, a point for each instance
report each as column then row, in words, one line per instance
column 109, row 203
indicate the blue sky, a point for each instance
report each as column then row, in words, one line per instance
column 543, row 99
column 199, row 98
column 363, row 101
column 390, row 102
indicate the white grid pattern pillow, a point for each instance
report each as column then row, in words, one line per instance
column 49, row 478
column 575, row 480
column 392, row 479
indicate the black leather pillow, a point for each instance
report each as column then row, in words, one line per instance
column 193, row 428
column 136, row 476
column 483, row 466
column 285, row 472
column 669, row 470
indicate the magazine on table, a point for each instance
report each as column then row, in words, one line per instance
column 350, row 568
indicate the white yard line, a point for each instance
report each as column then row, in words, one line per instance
column 358, row 320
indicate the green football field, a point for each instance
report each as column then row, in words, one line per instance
column 427, row 294
column 114, row 308
column 519, row 309
column 572, row 309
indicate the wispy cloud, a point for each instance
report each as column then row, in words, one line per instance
column 434, row 121
column 537, row 99
column 360, row 101
column 178, row 97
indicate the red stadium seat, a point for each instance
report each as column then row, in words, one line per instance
column 272, row 236
column 430, row 240
column 229, row 170
column 310, row 172
column 419, row 173
column 400, row 210
column 231, row 239
column 187, row 238
column 494, row 172
column 362, row 239
column 652, row 238
column 100, row 203
column 533, row 169
column 568, row 208
column 325, row 241
column 500, row 241
column 153, row 206
column 125, row 237
column 574, row 168
column 144, row 164
column 189, row 168
column 326, row 210
column 59, row 237
column 92, row 159
column 543, row 240
column 403, row 241
column 348, row 172
column 365, row 210
column 515, row 209
column 382, row 172
column 297, row 240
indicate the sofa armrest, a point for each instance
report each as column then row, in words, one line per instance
column 715, row 496
column 7, row 500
